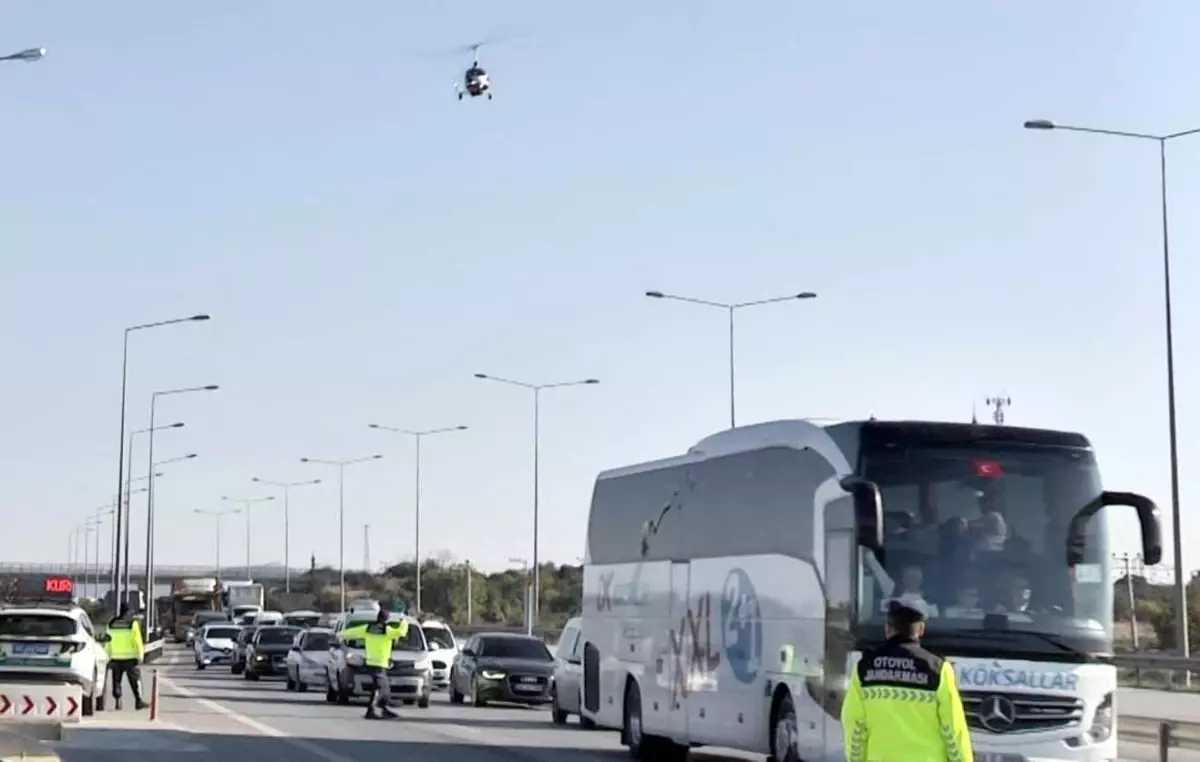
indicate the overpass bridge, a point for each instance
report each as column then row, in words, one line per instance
column 164, row 573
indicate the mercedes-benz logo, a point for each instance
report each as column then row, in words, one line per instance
column 997, row 713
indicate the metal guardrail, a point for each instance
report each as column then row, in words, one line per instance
column 1164, row 734
column 1158, row 671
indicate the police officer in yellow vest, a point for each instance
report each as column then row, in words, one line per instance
column 126, row 649
column 903, row 703
column 379, row 637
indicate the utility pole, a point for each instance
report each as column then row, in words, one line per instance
column 367, row 547
column 998, row 404
column 1127, row 562
column 469, row 575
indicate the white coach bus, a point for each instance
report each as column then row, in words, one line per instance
column 729, row 591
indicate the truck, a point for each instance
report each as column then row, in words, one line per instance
column 730, row 591
column 243, row 597
column 189, row 597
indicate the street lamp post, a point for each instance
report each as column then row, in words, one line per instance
column 417, row 436
column 148, row 572
column 217, row 519
column 341, row 467
column 129, row 479
column 1181, row 619
column 124, row 387
column 537, row 394
column 287, row 523
column 150, row 486
column 112, row 509
column 29, row 55
column 247, row 504
column 731, row 308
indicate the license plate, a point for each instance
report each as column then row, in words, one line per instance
column 524, row 687
column 995, row 756
column 529, row 680
column 40, row 649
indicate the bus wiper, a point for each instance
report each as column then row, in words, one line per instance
column 1044, row 637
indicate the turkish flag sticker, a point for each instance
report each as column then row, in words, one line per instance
column 989, row 469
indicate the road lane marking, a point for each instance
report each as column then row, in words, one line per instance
column 258, row 727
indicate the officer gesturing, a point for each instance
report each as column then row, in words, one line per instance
column 903, row 703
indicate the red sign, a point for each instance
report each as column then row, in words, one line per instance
column 73, row 706
column 29, row 705
column 5, row 705
column 59, row 585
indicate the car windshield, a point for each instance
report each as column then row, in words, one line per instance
column 439, row 637
column 302, row 620
column 37, row 625
column 980, row 530
column 217, row 633
column 276, row 636
column 514, row 648
column 318, row 641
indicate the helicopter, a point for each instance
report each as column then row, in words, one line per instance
column 475, row 79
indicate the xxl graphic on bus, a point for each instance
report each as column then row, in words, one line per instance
column 692, row 648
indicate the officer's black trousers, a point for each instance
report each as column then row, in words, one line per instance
column 381, row 689
column 127, row 667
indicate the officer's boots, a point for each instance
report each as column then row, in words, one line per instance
column 387, row 713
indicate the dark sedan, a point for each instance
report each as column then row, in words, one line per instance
column 267, row 653
column 502, row 667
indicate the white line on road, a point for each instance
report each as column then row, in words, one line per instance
column 256, row 726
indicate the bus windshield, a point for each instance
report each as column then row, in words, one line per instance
column 974, row 530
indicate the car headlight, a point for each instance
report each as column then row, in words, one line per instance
column 354, row 660
column 260, row 657
column 423, row 666
column 1102, row 723
column 491, row 674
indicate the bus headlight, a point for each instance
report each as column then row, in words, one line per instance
column 1102, row 723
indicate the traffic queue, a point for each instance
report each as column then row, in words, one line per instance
column 375, row 656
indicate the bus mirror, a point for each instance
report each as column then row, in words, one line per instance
column 1148, row 518
column 868, row 512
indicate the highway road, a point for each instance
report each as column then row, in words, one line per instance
column 212, row 716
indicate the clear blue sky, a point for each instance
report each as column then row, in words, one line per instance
column 365, row 243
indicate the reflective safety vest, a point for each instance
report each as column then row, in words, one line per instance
column 378, row 639
column 903, row 706
column 125, row 640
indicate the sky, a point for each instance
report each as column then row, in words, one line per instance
column 365, row 243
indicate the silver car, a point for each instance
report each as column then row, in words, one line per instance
column 308, row 660
column 566, row 692
column 215, row 644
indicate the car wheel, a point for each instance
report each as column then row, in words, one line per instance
column 343, row 693
column 88, row 705
column 330, row 694
column 251, row 675
column 455, row 696
column 476, row 699
column 423, row 702
column 557, row 715
column 200, row 665
column 289, row 684
column 301, row 686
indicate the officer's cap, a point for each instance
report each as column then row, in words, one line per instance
column 907, row 608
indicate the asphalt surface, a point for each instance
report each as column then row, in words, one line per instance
column 212, row 716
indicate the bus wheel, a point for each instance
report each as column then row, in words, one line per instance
column 784, row 733
column 642, row 746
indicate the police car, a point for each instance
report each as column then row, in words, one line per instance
column 46, row 637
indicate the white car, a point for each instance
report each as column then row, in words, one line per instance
column 215, row 644
column 268, row 619
column 58, row 643
column 443, row 649
column 308, row 660
column 410, row 675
